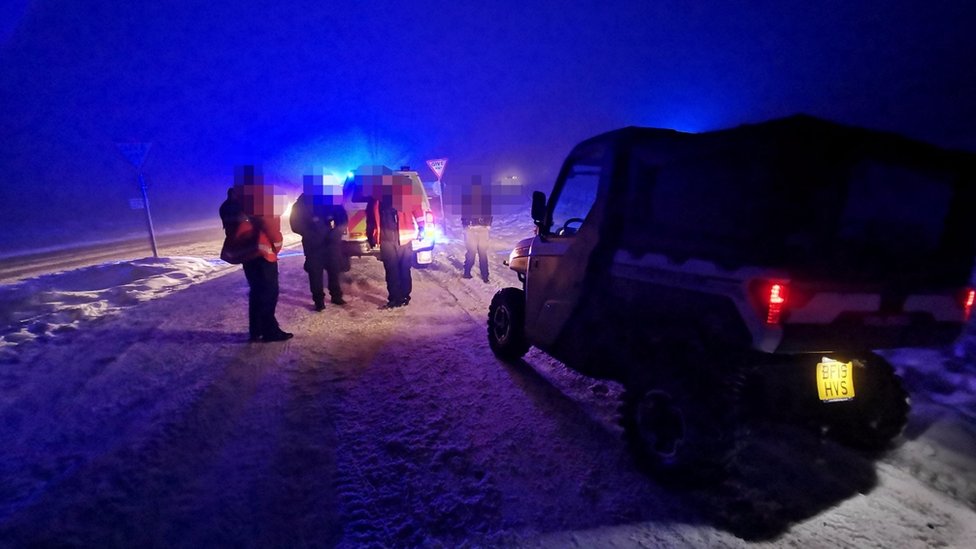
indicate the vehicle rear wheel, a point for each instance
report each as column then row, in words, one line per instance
column 506, row 324
column 684, row 428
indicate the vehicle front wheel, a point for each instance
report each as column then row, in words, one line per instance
column 506, row 324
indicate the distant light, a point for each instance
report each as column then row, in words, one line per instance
column 690, row 115
column 968, row 303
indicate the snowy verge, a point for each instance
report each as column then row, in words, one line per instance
column 42, row 307
column 68, row 246
column 939, row 442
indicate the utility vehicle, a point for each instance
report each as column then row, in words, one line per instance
column 754, row 270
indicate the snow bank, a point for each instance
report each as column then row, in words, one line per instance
column 940, row 440
column 42, row 307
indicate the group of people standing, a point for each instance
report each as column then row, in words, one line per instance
column 253, row 239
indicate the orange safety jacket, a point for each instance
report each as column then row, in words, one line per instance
column 269, row 236
column 408, row 225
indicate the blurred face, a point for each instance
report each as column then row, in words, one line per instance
column 477, row 195
column 325, row 189
column 396, row 190
column 258, row 198
column 263, row 200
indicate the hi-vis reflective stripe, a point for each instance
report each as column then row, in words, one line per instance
column 357, row 221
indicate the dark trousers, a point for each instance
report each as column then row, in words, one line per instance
column 397, row 261
column 315, row 265
column 476, row 242
column 262, row 277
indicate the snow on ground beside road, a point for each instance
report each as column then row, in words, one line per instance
column 53, row 304
column 158, row 424
column 939, row 443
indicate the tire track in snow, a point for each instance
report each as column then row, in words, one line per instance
column 443, row 444
column 156, row 475
column 404, row 474
column 154, row 432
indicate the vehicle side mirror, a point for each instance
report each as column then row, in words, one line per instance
column 539, row 210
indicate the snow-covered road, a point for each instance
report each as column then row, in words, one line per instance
column 158, row 425
column 193, row 240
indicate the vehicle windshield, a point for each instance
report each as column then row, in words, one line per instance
column 576, row 197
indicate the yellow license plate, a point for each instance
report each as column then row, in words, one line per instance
column 835, row 380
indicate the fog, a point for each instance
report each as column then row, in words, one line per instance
column 506, row 85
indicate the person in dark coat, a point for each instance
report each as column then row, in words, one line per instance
column 230, row 211
column 320, row 219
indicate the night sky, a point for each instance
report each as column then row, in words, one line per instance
column 510, row 85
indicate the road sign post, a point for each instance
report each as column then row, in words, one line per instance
column 149, row 223
column 437, row 166
column 136, row 153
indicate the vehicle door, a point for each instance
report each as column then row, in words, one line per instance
column 561, row 251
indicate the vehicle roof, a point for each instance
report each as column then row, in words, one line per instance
column 801, row 133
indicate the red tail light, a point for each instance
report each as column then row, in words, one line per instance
column 775, row 303
column 967, row 303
